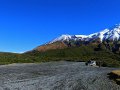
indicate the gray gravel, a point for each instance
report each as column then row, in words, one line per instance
column 55, row 76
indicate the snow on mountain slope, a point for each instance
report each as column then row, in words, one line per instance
column 64, row 38
column 110, row 34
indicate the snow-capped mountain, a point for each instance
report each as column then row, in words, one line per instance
column 101, row 46
column 107, row 34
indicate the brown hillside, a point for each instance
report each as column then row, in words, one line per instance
column 56, row 45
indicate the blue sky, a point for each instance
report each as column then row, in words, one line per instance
column 25, row 24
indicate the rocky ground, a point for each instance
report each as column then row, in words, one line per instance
column 55, row 76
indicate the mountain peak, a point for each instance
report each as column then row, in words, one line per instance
column 106, row 34
column 117, row 25
column 64, row 37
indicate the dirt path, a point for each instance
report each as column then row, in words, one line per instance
column 55, row 76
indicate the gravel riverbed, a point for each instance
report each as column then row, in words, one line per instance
column 60, row 75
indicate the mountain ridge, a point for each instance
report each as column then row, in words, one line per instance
column 66, row 40
column 106, row 34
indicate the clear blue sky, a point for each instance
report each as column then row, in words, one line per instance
column 25, row 24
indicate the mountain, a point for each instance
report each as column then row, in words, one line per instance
column 64, row 41
column 102, row 46
column 107, row 34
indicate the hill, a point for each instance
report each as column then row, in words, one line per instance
column 81, row 53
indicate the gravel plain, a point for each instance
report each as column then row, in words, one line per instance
column 60, row 75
